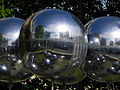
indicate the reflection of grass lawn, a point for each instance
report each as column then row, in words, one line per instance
column 61, row 63
column 39, row 49
column 75, row 77
column 4, row 77
column 103, row 73
column 61, row 66
column 110, row 76
column 39, row 57
column 2, row 55
column 113, row 56
column 4, row 60
column 79, row 75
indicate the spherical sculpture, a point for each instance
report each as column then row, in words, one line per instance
column 103, row 58
column 11, row 65
column 53, row 43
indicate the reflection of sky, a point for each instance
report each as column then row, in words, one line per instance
column 10, row 28
column 106, row 27
column 53, row 20
column 115, row 34
column 56, row 29
column 51, row 16
column 11, row 36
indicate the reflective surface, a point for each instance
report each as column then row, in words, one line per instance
column 103, row 58
column 53, row 43
column 11, row 65
column 76, row 77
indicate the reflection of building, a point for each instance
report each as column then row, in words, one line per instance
column 93, row 40
column 5, row 43
column 111, row 43
column 12, row 49
column 117, row 41
column 8, row 49
column 107, row 43
column 103, row 42
column 64, row 34
column 56, row 34
column 60, row 45
column 47, row 34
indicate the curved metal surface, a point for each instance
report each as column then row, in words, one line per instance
column 11, row 65
column 103, row 58
column 54, row 43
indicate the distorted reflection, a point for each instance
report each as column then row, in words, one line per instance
column 62, row 28
column 4, row 67
column 11, row 65
column 56, row 38
column 103, row 49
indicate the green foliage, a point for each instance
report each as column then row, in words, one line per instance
column 85, row 10
column 5, row 9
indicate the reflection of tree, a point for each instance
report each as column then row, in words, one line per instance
column 64, row 34
column 39, row 31
column 15, row 43
column 97, row 35
column 103, row 41
column 111, row 43
column 117, row 41
column 1, row 38
column 3, row 41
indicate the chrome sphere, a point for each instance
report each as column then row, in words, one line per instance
column 11, row 65
column 103, row 58
column 53, row 43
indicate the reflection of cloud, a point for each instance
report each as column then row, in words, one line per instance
column 55, row 29
column 118, row 24
column 114, row 33
column 11, row 37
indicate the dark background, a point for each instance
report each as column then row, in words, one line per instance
column 85, row 10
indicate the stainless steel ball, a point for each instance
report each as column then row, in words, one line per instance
column 11, row 65
column 103, row 58
column 53, row 43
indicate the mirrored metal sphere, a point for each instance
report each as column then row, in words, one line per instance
column 103, row 58
column 53, row 43
column 11, row 65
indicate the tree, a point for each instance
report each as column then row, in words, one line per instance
column 5, row 9
column 85, row 10
column 97, row 8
